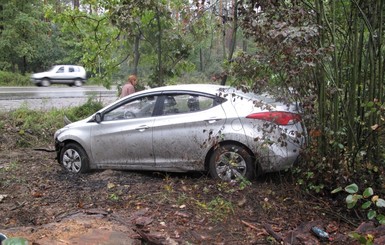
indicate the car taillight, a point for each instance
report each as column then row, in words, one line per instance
column 278, row 117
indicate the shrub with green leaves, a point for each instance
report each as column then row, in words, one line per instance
column 35, row 127
column 369, row 202
column 80, row 112
column 13, row 79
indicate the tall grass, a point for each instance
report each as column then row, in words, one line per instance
column 13, row 79
column 32, row 128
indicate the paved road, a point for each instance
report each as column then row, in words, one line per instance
column 45, row 98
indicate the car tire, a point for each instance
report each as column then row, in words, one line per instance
column 78, row 83
column 74, row 158
column 231, row 162
column 45, row 82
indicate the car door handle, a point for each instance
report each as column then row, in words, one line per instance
column 212, row 120
column 142, row 128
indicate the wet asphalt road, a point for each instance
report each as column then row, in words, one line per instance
column 46, row 98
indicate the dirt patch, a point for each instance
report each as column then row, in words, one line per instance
column 45, row 204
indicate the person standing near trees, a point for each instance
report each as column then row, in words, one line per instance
column 129, row 87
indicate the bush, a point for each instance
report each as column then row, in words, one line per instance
column 13, row 79
column 35, row 128
column 80, row 112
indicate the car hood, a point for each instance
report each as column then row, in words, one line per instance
column 72, row 125
column 40, row 74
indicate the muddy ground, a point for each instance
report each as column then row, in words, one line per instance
column 43, row 203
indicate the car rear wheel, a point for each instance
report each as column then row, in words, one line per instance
column 45, row 82
column 74, row 158
column 231, row 162
column 78, row 83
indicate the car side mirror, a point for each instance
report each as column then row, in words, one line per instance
column 98, row 117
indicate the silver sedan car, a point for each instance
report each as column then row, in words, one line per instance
column 199, row 127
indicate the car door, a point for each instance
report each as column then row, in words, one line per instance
column 124, row 137
column 71, row 74
column 59, row 75
column 189, row 125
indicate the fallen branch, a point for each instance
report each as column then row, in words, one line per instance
column 19, row 205
column 44, row 149
column 249, row 225
column 270, row 230
column 149, row 238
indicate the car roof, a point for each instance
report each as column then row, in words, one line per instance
column 68, row 65
column 217, row 90
column 81, row 67
column 214, row 89
column 203, row 88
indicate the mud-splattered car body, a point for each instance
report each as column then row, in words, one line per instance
column 181, row 128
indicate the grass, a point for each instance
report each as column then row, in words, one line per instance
column 35, row 127
column 13, row 79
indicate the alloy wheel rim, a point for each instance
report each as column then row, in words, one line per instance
column 72, row 160
column 230, row 166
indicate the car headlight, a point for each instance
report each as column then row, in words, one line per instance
column 58, row 132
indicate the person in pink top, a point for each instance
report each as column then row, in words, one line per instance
column 129, row 87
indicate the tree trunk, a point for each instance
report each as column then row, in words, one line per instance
column 136, row 53
column 233, row 38
column 320, row 79
column 76, row 4
column 159, row 49
column 353, row 78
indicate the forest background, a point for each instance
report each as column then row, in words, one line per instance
column 328, row 55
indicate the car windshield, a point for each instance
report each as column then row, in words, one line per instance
column 138, row 108
column 52, row 68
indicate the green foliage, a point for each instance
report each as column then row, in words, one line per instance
column 367, row 199
column 36, row 127
column 335, row 79
column 13, row 165
column 113, row 197
column 340, row 164
column 189, row 78
column 166, row 50
column 370, row 203
column 218, row 207
column 90, row 40
column 15, row 241
column 13, row 79
column 173, row 39
column 24, row 39
column 362, row 239
column 80, row 112
column 243, row 183
column 308, row 180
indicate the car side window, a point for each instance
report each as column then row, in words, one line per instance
column 138, row 108
column 71, row 69
column 60, row 70
column 186, row 103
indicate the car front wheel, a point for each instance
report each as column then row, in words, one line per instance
column 231, row 162
column 74, row 158
column 45, row 82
